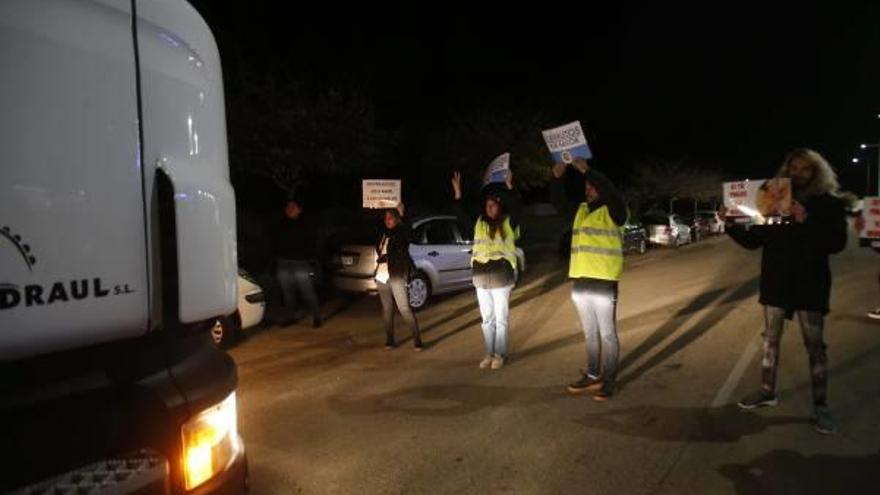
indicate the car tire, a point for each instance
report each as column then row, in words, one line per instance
column 419, row 291
column 226, row 329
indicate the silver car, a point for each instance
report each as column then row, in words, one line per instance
column 666, row 230
column 441, row 249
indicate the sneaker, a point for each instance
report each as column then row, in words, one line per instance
column 823, row 422
column 874, row 315
column 605, row 392
column 758, row 399
column 486, row 362
column 497, row 362
column 586, row 382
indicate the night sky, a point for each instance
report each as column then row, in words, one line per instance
column 727, row 88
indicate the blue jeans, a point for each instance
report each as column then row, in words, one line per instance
column 495, row 310
column 295, row 276
column 597, row 310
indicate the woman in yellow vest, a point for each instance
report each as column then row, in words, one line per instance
column 596, row 265
column 493, row 263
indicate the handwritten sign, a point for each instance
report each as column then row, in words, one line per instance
column 758, row 201
column 567, row 143
column 870, row 233
column 381, row 193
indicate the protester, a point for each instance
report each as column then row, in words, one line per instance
column 494, row 263
column 796, row 276
column 860, row 225
column 295, row 261
column 393, row 270
column 596, row 265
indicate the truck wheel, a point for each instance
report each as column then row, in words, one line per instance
column 225, row 329
column 419, row 291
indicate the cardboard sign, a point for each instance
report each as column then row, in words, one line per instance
column 567, row 143
column 381, row 193
column 870, row 233
column 758, row 201
column 498, row 170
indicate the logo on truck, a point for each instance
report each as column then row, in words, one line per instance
column 30, row 295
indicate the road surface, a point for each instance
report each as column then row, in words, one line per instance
column 330, row 411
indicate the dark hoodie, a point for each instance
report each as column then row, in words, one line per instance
column 400, row 263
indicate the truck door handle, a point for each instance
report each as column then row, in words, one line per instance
column 433, row 253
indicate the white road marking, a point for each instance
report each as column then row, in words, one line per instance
column 736, row 373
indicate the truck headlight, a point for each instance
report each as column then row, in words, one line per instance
column 210, row 442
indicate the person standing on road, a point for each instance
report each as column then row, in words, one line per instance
column 393, row 269
column 596, row 265
column 494, row 263
column 295, row 261
column 795, row 274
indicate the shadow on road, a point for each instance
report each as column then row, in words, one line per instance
column 784, row 471
column 674, row 424
column 443, row 400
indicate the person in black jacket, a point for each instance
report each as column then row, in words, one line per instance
column 393, row 269
column 796, row 276
column 295, row 260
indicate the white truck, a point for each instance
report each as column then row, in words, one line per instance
column 117, row 251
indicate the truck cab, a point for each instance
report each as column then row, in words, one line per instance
column 117, row 251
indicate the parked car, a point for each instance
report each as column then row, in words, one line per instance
column 250, row 311
column 635, row 238
column 441, row 249
column 666, row 230
column 716, row 223
column 699, row 227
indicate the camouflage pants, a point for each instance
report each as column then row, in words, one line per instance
column 812, row 325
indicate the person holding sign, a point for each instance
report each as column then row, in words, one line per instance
column 393, row 269
column 494, row 263
column 796, row 276
column 596, row 266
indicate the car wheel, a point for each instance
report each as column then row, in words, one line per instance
column 225, row 329
column 419, row 291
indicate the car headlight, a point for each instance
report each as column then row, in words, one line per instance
column 210, row 442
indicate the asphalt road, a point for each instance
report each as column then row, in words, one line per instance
column 330, row 411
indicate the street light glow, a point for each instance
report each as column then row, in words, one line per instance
column 864, row 146
column 855, row 160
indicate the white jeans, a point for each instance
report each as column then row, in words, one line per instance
column 494, row 309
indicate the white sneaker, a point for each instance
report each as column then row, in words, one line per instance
column 486, row 362
column 875, row 315
column 497, row 363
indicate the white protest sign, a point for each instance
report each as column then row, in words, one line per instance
column 759, row 201
column 498, row 170
column 381, row 193
column 870, row 233
column 567, row 142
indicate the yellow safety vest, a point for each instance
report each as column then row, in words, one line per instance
column 596, row 245
column 487, row 248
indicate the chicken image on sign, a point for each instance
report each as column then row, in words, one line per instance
column 567, row 143
column 759, row 202
column 381, row 193
column 869, row 235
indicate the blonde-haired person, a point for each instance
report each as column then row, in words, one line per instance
column 796, row 276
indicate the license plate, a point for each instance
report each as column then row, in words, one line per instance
column 347, row 260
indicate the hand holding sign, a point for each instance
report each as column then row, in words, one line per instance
column 567, row 143
column 558, row 170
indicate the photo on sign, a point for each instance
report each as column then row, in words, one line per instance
column 869, row 234
column 380, row 194
column 567, row 143
column 759, row 202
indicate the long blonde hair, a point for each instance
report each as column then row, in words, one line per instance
column 824, row 178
